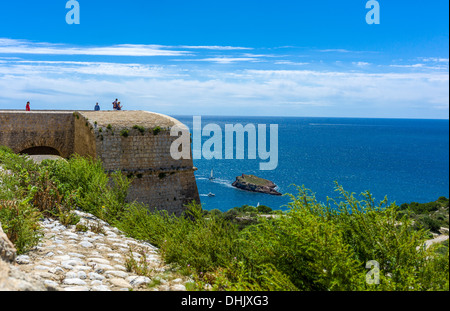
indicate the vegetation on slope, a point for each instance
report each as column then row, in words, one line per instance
column 431, row 216
column 312, row 246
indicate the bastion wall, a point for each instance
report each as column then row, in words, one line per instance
column 136, row 143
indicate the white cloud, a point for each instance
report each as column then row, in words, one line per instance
column 291, row 92
column 214, row 47
column 287, row 62
column 335, row 50
column 223, row 60
column 435, row 59
column 409, row 66
column 47, row 68
column 10, row 46
column 429, row 65
column 13, row 46
column 205, row 88
column 361, row 64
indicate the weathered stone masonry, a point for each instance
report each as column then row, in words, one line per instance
column 136, row 143
column 20, row 131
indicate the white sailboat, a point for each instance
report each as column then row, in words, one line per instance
column 211, row 177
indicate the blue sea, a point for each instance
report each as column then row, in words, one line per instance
column 406, row 160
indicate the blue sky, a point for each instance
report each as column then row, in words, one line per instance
column 247, row 57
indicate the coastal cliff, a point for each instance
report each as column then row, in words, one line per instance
column 255, row 184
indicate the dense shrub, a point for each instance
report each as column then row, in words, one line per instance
column 312, row 246
column 193, row 240
column 430, row 216
column 19, row 221
column 141, row 129
column 428, row 223
column 263, row 209
column 96, row 192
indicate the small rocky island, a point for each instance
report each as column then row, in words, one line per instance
column 255, row 184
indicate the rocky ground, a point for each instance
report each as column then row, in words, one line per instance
column 438, row 238
column 95, row 260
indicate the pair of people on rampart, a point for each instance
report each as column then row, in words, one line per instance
column 116, row 105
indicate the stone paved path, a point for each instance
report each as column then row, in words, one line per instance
column 72, row 260
column 437, row 239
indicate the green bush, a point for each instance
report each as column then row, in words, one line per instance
column 264, row 209
column 422, row 208
column 246, row 209
column 443, row 201
column 428, row 223
column 156, row 130
column 19, row 221
column 203, row 243
column 18, row 164
column 141, row 129
column 324, row 247
column 305, row 246
column 215, row 212
column 141, row 223
column 95, row 191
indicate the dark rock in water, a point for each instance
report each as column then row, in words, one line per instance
column 255, row 184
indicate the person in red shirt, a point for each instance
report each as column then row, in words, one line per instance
column 28, row 106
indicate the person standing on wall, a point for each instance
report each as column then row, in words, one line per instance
column 27, row 107
column 97, row 107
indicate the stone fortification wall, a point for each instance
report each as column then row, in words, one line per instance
column 20, row 131
column 137, row 143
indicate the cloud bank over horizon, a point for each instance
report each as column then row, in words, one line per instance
column 223, row 80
